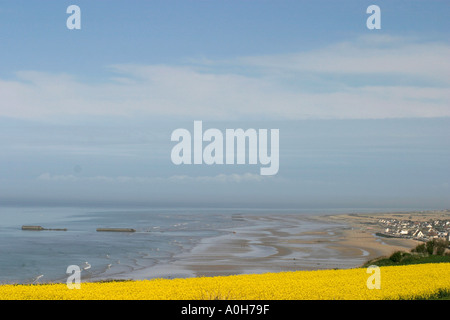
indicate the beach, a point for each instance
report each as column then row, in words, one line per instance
column 275, row 243
column 183, row 243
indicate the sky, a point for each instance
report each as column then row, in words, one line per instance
column 86, row 116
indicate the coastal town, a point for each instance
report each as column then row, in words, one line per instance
column 414, row 229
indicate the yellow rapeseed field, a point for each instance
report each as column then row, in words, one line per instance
column 399, row 282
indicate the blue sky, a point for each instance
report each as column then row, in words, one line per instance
column 155, row 32
column 86, row 115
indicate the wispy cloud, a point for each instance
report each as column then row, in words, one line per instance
column 332, row 82
column 246, row 177
column 366, row 55
column 221, row 178
column 74, row 178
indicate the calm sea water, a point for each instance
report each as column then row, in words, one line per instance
column 43, row 256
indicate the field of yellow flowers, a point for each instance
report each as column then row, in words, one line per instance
column 398, row 282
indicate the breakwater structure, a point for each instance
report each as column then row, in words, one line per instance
column 115, row 230
column 39, row 228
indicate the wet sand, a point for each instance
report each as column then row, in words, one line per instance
column 285, row 243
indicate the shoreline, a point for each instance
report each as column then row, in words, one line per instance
column 287, row 242
column 275, row 243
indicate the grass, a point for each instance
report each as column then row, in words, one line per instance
column 407, row 259
column 441, row 295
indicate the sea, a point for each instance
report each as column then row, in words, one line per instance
column 160, row 235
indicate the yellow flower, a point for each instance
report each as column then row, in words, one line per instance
column 399, row 282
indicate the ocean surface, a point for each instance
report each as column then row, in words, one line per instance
column 161, row 234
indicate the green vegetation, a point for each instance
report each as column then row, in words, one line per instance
column 440, row 295
column 383, row 235
column 433, row 251
column 405, row 258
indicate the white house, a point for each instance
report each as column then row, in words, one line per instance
column 418, row 234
